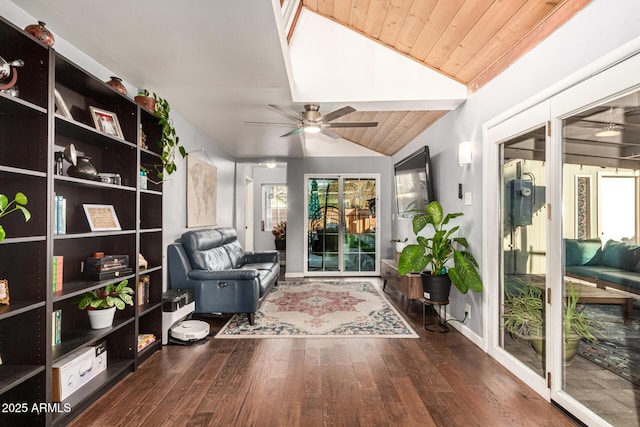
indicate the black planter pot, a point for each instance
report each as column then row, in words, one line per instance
column 437, row 287
column 281, row 245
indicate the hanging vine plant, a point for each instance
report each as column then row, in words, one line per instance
column 169, row 141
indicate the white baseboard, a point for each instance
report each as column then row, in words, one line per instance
column 293, row 275
column 468, row 333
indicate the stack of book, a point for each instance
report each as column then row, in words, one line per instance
column 60, row 210
column 58, row 263
column 144, row 340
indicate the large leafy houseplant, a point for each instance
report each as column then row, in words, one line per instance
column 436, row 251
column 169, row 142
column 8, row 206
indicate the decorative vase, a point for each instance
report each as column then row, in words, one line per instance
column 281, row 245
column 83, row 169
column 116, row 83
column 41, row 32
column 146, row 102
column 436, row 288
column 100, row 319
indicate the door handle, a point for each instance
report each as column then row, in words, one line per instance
column 262, row 225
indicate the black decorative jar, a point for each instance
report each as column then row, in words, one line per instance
column 84, row 169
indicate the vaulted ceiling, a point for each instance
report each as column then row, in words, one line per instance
column 221, row 62
column 470, row 41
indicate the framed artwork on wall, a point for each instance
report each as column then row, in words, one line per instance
column 202, row 192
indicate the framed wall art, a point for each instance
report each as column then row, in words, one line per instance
column 202, row 192
column 106, row 122
column 101, row 217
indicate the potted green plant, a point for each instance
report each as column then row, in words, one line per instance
column 280, row 235
column 101, row 304
column 169, row 142
column 436, row 252
column 17, row 204
column 523, row 317
column 145, row 100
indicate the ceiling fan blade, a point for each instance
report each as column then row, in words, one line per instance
column 270, row 124
column 351, row 125
column 337, row 113
column 289, row 114
column 330, row 133
column 293, row 132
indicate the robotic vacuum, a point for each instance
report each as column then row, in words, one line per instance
column 190, row 330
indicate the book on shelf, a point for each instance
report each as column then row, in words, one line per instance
column 144, row 340
column 143, row 289
column 60, row 209
column 56, row 275
column 56, row 327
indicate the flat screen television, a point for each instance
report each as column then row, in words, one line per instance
column 414, row 185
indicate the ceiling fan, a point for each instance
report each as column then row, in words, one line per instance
column 311, row 121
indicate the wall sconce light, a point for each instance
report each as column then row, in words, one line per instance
column 464, row 153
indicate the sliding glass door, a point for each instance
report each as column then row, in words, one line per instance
column 341, row 226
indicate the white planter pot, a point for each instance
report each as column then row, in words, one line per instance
column 101, row 318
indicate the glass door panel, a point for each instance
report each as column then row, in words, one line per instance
column 323, row 224
column 523, row 254
column 600, row 229
column 359, row 225
column 342, row 225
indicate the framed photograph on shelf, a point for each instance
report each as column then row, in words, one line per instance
column 63, row 110
column 4, row 292
column 101, row 217
column 106, row 122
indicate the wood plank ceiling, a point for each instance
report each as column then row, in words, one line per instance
column 470, row 41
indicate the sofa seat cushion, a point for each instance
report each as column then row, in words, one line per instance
column 593, row 271
column 260, row 266
column 627, row 279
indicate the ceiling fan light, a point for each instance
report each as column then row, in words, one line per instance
column 312, row 129
column 609, row 131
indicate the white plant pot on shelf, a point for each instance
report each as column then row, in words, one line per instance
column 101, row 318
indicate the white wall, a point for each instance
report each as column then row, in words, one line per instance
column 595, row 31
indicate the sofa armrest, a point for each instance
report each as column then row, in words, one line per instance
column 244, row 274
column 260, row 256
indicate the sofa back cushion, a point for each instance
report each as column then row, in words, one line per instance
column 236, row 253
column 582, row 252
column 620, row 255
column 205, row 251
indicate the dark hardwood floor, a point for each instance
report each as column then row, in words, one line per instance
column 436, row 380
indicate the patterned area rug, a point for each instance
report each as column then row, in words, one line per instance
column 321, row 309
column 618, row 346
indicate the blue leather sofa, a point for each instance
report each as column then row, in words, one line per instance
column 616, row 265
column 224, row 278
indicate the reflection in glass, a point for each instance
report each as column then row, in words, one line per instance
column 601, row 160
column 524, row 248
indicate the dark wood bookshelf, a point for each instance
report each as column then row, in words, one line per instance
column 31, row 132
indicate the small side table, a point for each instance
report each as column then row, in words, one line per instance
column 441, row 324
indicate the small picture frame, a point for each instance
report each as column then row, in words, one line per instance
column 101, row 217
column 106, row 122
column 62, row 106
column 4, row 292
